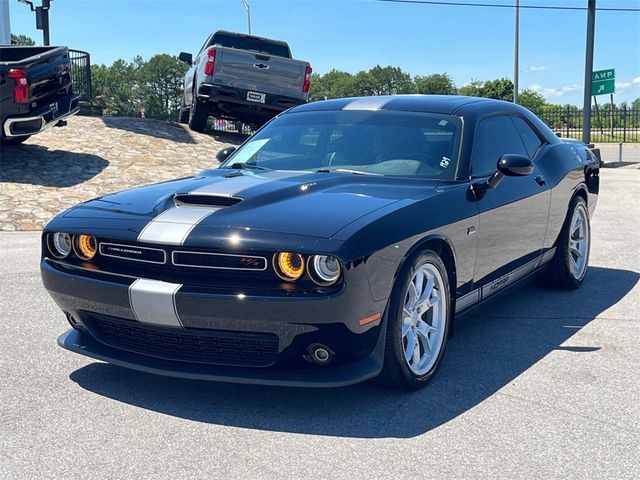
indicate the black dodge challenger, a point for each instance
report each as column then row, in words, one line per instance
column 336, row 244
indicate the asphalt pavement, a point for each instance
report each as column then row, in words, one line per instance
column 537, row 384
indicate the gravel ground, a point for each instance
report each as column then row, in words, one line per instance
column 93, row 156
column 539, row 384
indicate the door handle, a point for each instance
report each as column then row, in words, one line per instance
column 541, row 180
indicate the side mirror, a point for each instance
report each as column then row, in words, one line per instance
column 186, row 58
column 515, row 165
column 223, row 154
column 510, row 165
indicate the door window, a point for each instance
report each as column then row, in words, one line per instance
column 495, row 137
column 530, row 138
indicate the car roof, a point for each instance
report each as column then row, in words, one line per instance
column 443, row 104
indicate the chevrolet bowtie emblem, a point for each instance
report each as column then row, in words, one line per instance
column 261, row 65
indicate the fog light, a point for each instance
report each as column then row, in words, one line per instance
column 85, row 246
column 60, row 244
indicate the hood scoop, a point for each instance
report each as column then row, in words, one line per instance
column 197, row 200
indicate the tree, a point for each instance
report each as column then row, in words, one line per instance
column 160, row 82
column 390, row 81
column 500, row 89
column 436, row 84
column 534, row 101
column 22, row 40
column 472, row 89
column 117, row 88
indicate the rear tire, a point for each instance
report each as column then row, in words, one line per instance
column 570, row 263
column 198, row 114
column 418, row 323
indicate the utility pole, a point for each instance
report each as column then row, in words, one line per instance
column 247, row 7
column 588, row 72
column 516, row 54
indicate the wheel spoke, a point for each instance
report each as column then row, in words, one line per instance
column 423, row 338
column 426, row 300
column 406, row 326
column 412, row 341
column 416, row 355
column 576, row 251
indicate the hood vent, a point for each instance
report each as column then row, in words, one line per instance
column 205, row 200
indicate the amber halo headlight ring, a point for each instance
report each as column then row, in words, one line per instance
column 289, row 266
column 324, row 270
column 60, row 244
column 85, row 246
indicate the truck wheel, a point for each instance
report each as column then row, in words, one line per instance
column 183, row 116
column 13, row 140
column 198, row 114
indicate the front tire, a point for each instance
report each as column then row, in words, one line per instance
column 418, row 323
column 570, row 263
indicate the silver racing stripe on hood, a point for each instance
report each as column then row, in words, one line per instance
column 173, row 226
column 234, row 185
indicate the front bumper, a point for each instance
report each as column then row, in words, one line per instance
column 297, row 323
column 39, row 120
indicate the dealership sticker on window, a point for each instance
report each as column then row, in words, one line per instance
column 444, row 163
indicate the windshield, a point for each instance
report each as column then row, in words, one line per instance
column 378, row 142
column 252, row 43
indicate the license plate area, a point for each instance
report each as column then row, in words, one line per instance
column 256, row 97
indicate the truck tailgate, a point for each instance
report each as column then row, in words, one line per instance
column 256, row 71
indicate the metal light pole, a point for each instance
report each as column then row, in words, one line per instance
column 247, row 7
column 516, row 53
column 588, row 72
column 42, row 17
column 5, row 25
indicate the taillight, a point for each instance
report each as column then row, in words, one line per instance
column 306, row 85
column 211, row 60
column 21, row 89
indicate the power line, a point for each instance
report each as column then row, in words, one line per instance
column 500, row 5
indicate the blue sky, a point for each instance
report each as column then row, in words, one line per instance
column 466, row 42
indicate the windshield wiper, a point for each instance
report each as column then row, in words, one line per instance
column 346, row 170
column 246, row 166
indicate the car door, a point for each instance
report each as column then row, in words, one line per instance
column 513, row 215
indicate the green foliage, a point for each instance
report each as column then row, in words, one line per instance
column 155, row 85
column 22, row 40
column 435, row 84
column 534, row 101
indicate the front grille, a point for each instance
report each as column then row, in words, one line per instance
column 205, row 200
column 214, row 347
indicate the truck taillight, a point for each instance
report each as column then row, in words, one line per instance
column 21, row 89
column 306, row 85
column 211, row 61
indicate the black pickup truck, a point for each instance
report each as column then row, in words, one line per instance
column 36, row 90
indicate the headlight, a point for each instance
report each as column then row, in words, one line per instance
column 289, row 266
column 324, row 269
column 85, row 246
column 60, row 244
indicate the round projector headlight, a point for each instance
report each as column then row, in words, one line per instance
column 288, row 266
column 60, row 244
column 85, row 246
column 324, row 269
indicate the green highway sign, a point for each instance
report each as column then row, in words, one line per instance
column 603, row 82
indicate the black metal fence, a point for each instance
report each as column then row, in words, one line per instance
column 81, row 74
column 620, row 124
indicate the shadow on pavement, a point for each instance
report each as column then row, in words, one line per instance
column 491, row 347
column 36, row 165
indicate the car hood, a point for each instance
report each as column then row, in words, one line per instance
column 291, row 202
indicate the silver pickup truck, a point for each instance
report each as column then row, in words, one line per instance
column 241, row 77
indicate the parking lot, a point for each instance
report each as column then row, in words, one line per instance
column 539, row 383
